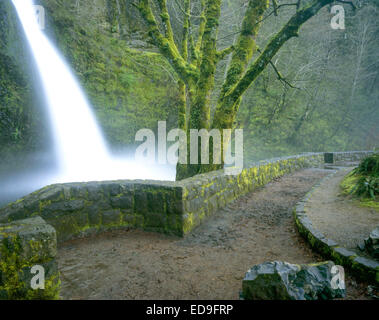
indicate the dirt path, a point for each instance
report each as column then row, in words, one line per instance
column 210, row 263
column 338, row 217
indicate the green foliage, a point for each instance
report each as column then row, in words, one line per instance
column 369, row 166
column 13, row 94
column 367, row 187
column 363, row 182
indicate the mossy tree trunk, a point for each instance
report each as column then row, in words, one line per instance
column 195, row 62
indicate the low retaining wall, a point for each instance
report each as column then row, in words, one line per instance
column 77, row 209
column 205, row 194
column 361, row 267
column 351, row 156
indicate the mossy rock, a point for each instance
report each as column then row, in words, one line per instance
column 23, row 245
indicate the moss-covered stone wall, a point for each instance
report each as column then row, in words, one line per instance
column 352, row 156
column 361, row 266
column 205, row 194
column 77, row 209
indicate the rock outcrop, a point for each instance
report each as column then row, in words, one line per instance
column 372, row 243
column 285, row 281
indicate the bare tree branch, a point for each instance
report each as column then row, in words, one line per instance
column 281, row 78
column 226, row 105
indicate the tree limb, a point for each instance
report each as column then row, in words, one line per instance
column 203, row 21
column 187, row 72
column 279, row 75
column 224, row 52
column 245, row 45
column 225, row 111
column 348, row 2
column 289, row 31
column 275, row 5
column 166, row 21
column 186, row 28
column 200, row 110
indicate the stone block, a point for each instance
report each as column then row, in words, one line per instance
column 111, row 217
column 94, row 191
column 122, row 202
column 140, row 201
column 34, row 243
column 60, row 208
column 156, row 202
column 343, row 256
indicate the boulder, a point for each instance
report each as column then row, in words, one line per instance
column 372, row 243
column 285, row 281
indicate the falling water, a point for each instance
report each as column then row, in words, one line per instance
column 80, row 147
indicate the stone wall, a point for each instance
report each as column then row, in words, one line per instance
column 361, row 266
column 205, row 194
column 77, row 209
column 351, row 156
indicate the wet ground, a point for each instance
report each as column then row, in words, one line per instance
column 338, row 217
column 209, row 263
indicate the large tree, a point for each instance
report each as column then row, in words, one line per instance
column 195, row 58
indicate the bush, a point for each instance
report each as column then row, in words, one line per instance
column 367, row 187
column 369, row 166
column 367, row 175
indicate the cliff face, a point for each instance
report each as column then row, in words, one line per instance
column 129, row 87
column 19, row 120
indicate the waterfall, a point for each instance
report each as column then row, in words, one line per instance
column 81, row 150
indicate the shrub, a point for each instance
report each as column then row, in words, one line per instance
column 369, row 166
column 367, row 178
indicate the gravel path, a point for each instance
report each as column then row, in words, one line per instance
column 337, row 216
column 209, row 263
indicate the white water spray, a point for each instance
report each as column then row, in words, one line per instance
column 82, row 152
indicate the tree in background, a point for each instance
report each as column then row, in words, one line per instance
column 335, row 103
column 195, row 58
